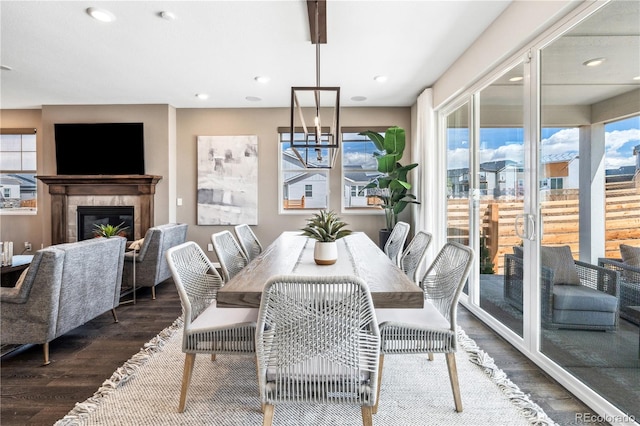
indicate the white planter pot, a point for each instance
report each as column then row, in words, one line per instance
column 325, row 253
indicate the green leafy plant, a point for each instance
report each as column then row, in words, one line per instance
column 325, row 226
column 391, row 186
column 107, row 230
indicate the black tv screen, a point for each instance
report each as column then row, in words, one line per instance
column 99, row 149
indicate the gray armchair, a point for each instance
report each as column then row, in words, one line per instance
column 65, row 286
column 629, row 285
column 590, row 305
column 150, row 261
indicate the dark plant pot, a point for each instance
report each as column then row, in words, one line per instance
column 383, row 236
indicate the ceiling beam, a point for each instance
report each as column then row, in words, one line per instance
column 321, row 34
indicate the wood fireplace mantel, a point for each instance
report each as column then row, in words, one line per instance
column 63, row 186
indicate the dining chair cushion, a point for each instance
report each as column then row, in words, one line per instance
column 213, row 317
column 560, row 261
column 427, row 317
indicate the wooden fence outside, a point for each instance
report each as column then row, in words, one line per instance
column 560, row 218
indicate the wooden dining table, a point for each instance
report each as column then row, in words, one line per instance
column 292, row 254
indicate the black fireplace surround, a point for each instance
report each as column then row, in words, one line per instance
column 89, row 216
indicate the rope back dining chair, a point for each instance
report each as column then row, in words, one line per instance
column 414, row 255
column 230, row 255
column 395, row 244
column 432, row 329
column 317, row 342
column 248, row 241
column 207, row 328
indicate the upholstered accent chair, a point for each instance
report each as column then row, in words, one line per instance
column 248, row 241
column 395, row 244
column 415, row 254
column 208, row 329
column 432, row 329
column 150, row 260
column 574, row 294
column 317, row 342
column 230, row 255
column 65, row 286
column 628, row 267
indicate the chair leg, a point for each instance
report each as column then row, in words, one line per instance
column 367, row 418
column 430, row 356
column 267, row 419
column 153, row 292
column 115, row 317
column 213, row 357
column 189, row 362
column 374, row 409
column 453, row 377
column 45, row 350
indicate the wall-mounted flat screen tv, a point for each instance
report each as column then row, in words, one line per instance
column 99, row 148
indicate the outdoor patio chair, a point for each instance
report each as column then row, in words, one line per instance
column 414, row 255
column 230, row 255
column 629, row 282
column 207, row 328
column 433, row 328
column 248, row 241
column 317, row 342
column 395, row 244
column 574, row 294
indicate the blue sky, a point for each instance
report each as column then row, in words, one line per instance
column 506, row 143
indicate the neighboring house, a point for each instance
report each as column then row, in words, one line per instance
column 560, row 171
column 16, row 188
column 300, row 182
column 355, row 179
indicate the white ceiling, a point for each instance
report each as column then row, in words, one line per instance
column 59, row 55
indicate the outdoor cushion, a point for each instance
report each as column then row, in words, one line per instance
column 581, row 298
column 560, row 261
column 630, row 256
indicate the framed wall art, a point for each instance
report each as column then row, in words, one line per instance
column 227, row 180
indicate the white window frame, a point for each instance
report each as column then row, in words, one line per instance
column 27, row 140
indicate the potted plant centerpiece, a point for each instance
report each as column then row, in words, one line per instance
column 107, row 230
column 391, row 187
column 325, row 227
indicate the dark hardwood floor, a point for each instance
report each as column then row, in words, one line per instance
column 33, row 394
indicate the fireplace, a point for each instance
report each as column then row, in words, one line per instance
column 90, row 216
column 70, row 192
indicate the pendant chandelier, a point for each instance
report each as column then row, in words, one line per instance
column 315, row 111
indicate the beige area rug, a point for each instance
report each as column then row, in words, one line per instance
column 145, row 391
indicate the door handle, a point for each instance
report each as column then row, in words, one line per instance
column 525, row 231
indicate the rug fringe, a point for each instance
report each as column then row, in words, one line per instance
column 122, row 375
column 531, row 411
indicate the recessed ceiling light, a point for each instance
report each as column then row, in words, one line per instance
column 202, row 96
column 516, row 78
column 262, row 79
column 637, row 77
column 253, row 98
column 102, row 15
column 169, row 16
column 380, row 78
column 358, row 98
column 593, row 62
column 5, row 67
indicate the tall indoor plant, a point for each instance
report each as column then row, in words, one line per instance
column 391, row 186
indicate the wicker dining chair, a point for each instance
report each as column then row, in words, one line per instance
column 230, row 255
column 414, row 255
column 207, row 328
column 317, row 342
column 395, row 244
column 248, row 241
column 431, row 329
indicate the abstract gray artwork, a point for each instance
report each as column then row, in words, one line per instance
column 227, row 180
